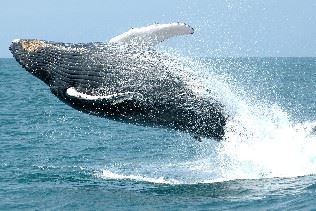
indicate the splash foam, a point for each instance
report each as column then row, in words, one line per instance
column 261, row 140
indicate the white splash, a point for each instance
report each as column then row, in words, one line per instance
column 267, row 145
column 261, row 141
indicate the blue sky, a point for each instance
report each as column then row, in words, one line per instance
column 222, row 28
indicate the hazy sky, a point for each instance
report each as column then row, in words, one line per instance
column 222, row 28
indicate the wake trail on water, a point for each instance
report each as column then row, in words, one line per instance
column 261, row 140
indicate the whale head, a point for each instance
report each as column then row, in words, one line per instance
column 26, row 53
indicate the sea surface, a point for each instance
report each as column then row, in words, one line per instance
column 54, row 157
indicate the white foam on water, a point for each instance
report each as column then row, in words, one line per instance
column 107, row 174
column 261, row 146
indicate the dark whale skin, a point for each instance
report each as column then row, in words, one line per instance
column 154, row 89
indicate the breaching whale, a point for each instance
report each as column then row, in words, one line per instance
column 126, row 80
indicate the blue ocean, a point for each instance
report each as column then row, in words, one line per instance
column 56, row 158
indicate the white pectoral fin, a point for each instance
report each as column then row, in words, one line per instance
column 113, row 98
column 153, row 34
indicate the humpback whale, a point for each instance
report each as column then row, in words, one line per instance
column 126, row 79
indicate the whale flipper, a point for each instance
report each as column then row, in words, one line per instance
column 152, row 35
column 113, row 98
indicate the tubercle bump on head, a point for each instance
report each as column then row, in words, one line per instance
column 31, row 45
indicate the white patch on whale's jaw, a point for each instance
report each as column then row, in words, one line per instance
column 152, row 35
column 113, row 98
column 74, row 93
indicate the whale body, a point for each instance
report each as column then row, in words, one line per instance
column 125, row 80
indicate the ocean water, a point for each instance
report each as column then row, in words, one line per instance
column 54, row 157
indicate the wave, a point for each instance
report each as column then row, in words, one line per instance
column 107, row 174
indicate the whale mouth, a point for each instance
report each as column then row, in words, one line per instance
column 25, row 52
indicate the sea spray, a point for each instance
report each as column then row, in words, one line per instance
column 261, row 139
